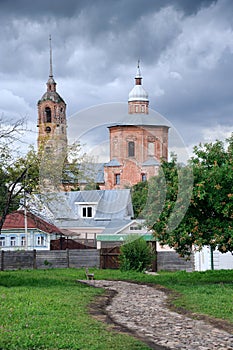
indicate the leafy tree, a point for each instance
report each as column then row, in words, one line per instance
column 205, row 217
column 139, row 194
column 135, row 254
column 17, row 177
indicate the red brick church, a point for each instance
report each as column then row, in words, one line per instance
column 137, row 142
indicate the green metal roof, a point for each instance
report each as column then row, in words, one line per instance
column 122, row 238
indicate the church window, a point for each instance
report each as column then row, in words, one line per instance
column 143, row 108
column 117, row 179
column 48, row 117
column 131, row 149
column 144, row 177
column 150, row 149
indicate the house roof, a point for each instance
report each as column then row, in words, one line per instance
column 153, row 119
column 122, row 237
column 16, row 220
column 111, row 206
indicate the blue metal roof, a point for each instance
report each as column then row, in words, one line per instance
column 152, row 119
column 111, row 206
column 113, row 162
column 151, row 161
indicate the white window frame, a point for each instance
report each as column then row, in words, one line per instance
column 13, row 241
column 88, row 210
column 82, row 206
column 2, row 241
column 40, row 240
column 23, row 241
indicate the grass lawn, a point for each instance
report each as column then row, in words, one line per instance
column 47, row 309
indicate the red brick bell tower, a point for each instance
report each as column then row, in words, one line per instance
column 137, row 143
column 51, row 116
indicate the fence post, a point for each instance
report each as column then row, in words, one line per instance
column 68, row 258
column 34, row 259
column 2, row 260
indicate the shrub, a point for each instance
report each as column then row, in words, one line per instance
column 135, row 254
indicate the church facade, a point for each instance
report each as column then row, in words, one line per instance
column 137, row 142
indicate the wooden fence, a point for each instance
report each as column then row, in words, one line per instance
column 170, row 261
column 14, row 260
column 77, row 258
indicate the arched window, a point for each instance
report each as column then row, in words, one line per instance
column 144, row 177
column 131, row 149
column 48, row 118
column 117, row 179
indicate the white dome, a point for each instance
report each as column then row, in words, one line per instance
column 138, row 94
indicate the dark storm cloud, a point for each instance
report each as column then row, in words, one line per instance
column 126, row 10
column 185, row 47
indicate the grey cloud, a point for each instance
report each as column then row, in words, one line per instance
column 96, row 45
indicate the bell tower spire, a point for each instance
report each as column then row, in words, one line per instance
column 51, row 114
column 50, row 57
column 51, row 84
column 138, row 101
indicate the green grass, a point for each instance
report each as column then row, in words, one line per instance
column 47, row 309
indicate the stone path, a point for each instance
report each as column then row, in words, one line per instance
column 142, row 309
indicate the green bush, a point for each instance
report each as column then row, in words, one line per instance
column 135, row 254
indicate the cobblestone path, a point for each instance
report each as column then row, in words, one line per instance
column 142, row 309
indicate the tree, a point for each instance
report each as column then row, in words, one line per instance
column 17, row 176
column 139, row 194
column 135, row 254
column 10, row 132
column 207, row 218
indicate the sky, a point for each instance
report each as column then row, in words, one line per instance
column 185, row 49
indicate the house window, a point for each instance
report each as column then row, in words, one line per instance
column 40, row 240
column 117, row 179
column 131, row 149
column 136, row 228
column 48, row 118
column 23, row 241
column 144, row 177
column 87, row 212
column 12, row 241
column 2, row 241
